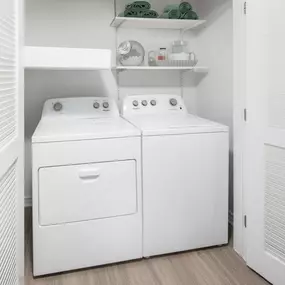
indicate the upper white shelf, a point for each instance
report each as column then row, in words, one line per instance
column 55, row 58
column 157, row 23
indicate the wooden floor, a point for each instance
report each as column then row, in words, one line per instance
column 215, row 266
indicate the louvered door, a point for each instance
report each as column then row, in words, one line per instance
column 11, row 145
column 265, row 155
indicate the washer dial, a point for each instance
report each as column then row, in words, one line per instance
column 57, row 106
column 153, row 102
column 96, row 105
column 173, row 102
column 135, row 103
column 144, row 103
column 106, row 105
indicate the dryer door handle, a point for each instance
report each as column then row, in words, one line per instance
column 89, row 174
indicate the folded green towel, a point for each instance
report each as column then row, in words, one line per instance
column 168, row 8
column 138, row 6
column 131, row 14
column 182, row 7
column 149, row 14
column 139, row 14
column 172, row 14
column 190, row 15
column 164, row 16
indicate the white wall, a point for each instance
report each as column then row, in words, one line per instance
column 70, row 23
column 86, row 24
column 215, row 47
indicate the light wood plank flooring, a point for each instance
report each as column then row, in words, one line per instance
column 214, row 266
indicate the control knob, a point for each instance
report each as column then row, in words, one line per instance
column 106, row 105
column 135, row 103
column 144, row 103
column 57, row 106
column 173, row 102
column 96, row 105
column 153, row 102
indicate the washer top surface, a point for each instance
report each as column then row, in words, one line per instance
column 165, row 114
column 73, row 119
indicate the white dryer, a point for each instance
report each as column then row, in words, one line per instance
column 185, row 175
column 86, row 186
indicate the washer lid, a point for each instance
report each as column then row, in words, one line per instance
column 152, row 125
column 71, row 129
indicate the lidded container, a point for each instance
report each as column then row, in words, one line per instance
column 179, row 46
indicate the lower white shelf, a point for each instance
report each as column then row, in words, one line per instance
column 198, row 69
column 56, row 58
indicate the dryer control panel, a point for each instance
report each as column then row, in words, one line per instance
column 82, row 107
column 153, row 104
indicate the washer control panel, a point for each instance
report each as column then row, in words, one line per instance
column 82, row 107
column 153, row 104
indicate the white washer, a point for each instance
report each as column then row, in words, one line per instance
column 86, row 186
column 185, row 175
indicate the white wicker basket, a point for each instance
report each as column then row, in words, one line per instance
column 178, row 63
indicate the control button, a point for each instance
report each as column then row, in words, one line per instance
column 106, row 105
column 173, row 102
column 153, row 103
column 57, row 106
column 135, row 103
column 96, row 105
column 144, row 103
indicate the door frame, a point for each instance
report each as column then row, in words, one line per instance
column 19, row 6
column 239, row 121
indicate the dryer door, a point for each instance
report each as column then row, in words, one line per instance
column 86, row 192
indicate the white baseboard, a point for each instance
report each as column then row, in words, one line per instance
column 28, row 202
column 231, row 218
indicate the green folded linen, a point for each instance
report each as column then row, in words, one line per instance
column 138, row 6
column 190, row 15
column 182, row 7
column 149, row 14
column 139, row 14
column 172, row 14
column 168, row 8
column 131, row 14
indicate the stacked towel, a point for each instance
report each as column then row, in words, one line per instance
column 171, row 14
column 139, row 9
column 179, row 11
column 190, row 15
column 182, row 7
column 138, row 6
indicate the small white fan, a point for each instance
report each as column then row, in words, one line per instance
column 131, row 53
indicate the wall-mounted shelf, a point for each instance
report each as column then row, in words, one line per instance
column 54, row 58
column 197, row 69
column 143, row 23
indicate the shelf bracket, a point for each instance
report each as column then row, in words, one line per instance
column 189, row 28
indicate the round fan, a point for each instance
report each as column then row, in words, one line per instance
column 131, row 53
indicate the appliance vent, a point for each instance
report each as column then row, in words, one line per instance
column 275, row 202
column 8, row 79
column 8, row 228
